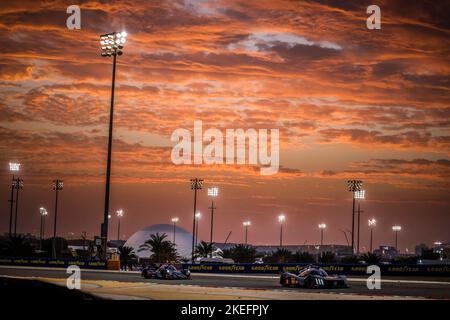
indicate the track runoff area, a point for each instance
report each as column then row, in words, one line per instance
column 129, row 285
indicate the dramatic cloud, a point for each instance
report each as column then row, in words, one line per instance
column 349, row 102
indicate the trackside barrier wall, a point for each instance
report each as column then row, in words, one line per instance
column 54, row 263
column 345, row 269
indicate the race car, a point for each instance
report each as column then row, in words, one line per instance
column 313, row 277
column 165, row 271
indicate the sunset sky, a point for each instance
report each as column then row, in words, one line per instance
column 349, row 103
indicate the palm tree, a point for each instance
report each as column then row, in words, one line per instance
column 327, row 257
column 17, row 246
column 203, row 249
column 162, row 249
column 303, row 257
column 242, row 253
column 127, row 257
column 371, row 258
column 282, row 255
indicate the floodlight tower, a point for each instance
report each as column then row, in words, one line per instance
column 58, row 185
column 353, row 186
column 396, row 229
column 246, row 224
column 372, row 223
column 119, row 214
column 174, row 221
column 196, row 184
column 213, row 192
column 43, row 213
column 198, row 216
column 112, row 45
column 360, row 195
column 281, row 219
column 13, row 167
column 18, row 185
column 322, row 227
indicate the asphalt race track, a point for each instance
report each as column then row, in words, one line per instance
column 419, row 287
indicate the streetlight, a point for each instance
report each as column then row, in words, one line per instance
column 119, row 216
column 246, row 224
column 174, row 221
column 372, row 223
column 212, row 192
column 396, row 229
column 198, row 215
column 13, row 167
column 43, row 212
column 321, row 226
column 57, row 186
column 112, row 45
column 353, row 187
column 281, row 219
column 196, row 184
column 360, row 195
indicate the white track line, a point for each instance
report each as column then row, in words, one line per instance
column 349, row 279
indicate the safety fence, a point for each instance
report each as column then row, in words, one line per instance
column 55, row 263
column 345, row 269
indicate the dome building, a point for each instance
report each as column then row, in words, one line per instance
column 183, row 239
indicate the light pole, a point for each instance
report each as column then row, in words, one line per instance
column 112, row 45
column 360, row 195
column 246, row 224
column 213, row 192
column 281, row 219
column 174, row 221
column 43, row 212
column 322, row 226
column 354, row 186
column 18, row 186
column 57, row 186
column 196, row 184
column 396, row 229
column 372, row 224
column 13, row 167
column 198, row 215
column 119, row 216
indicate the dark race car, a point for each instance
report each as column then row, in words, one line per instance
column 313, row 277
column 166, row 271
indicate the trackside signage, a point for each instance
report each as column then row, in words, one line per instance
column 346, row 269
column 46, row 262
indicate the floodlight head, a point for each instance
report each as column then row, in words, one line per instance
column 17, row 184
column 198, row 215
column 175, row 220
column 396, row 228
column 112, row 43
column 372, row 222
column 196, row 184
column 354, row 185
column 360, row 194
column 322, row 226
column 213, row 191
column 58, row 184
column 109, row 216
column 281, row 218
column 43, row 211
column 246, row 223
column 438, row 243
column 119, row 213
column 14, row 166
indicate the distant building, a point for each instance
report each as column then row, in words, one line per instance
column 419, row 248
column 388, row 252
